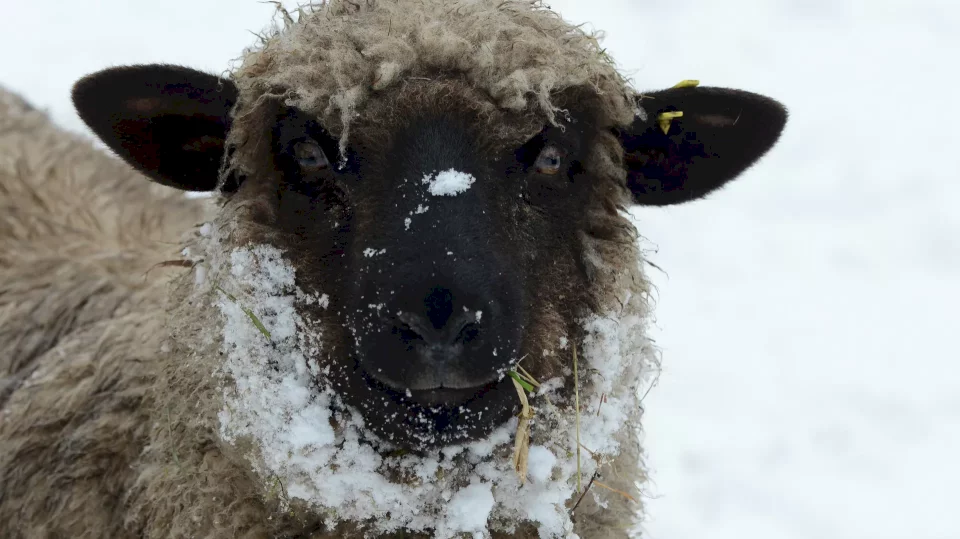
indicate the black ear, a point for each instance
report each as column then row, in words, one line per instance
column 673, row 158
column 167, row 121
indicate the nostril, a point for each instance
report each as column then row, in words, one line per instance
column 439, row 306
column 407, row 334
column 468, row 333
column 414, row 329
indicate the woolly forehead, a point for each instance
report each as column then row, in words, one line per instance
column 391, row 111
column 339, row 57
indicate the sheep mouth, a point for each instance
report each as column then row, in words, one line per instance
column 434, row 414
column 445, row 396
column 440, row 395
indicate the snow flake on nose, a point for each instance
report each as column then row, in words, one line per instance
column 450, row 182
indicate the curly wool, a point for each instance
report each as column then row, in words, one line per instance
column 72, row 223
column 339, row 54
column 78, row 324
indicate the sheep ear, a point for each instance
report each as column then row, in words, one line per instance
column 167, row 121
column 693, row 140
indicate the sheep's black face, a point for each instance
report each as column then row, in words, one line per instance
column 437, row 309
column 433, row 240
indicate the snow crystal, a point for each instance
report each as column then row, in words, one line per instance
column 550, row 386
column 450, row 182
column 469, row 509
column 370, row 252
column 200, row 275
column 540, row 463
column 406, row 223
column 640, row 113
column 421, row 209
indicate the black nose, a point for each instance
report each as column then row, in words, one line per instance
column 440, row 320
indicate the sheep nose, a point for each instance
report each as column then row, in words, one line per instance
column 439, row 323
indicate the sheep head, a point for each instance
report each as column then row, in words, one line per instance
column 454, row 179
column 448, row 226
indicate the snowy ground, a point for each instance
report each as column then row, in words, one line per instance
column 808, row 389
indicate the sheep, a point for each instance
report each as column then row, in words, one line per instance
column 417, row 307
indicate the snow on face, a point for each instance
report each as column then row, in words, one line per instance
column 278, row 397
column 469, row 509
column 448, row 183
column 541, row 461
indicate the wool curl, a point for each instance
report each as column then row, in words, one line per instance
column 339, row 54
column 81, row 283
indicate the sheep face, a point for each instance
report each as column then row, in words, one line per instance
column 453, row 236
column 457, row 237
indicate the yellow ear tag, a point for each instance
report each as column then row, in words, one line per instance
column 689, row 83
column 666, row 117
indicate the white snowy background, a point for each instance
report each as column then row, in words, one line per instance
column 808, row 317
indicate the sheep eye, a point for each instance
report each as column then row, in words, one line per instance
column 310, row 156
column 549, row 160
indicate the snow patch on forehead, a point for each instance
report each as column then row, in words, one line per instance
column 450, row 182
column 279, row 400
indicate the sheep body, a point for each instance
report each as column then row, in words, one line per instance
column 79, row 325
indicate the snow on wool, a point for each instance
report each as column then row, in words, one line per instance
column 277, row 397
column 450, row 182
